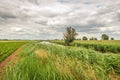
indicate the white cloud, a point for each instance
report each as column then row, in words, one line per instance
column 35, row 18
column 106, row 28
column 17, row 29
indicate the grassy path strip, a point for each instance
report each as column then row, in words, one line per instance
column 12, row 58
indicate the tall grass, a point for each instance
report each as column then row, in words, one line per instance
column 31, row 67
column 63, row 63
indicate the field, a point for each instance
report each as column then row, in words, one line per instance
column 101, row 45
column 49, row 61
column 8, row 47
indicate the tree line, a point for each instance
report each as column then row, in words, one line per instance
column 70, row 34
column 103, row 37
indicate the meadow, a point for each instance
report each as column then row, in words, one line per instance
column 103, row 46
column 39, row 61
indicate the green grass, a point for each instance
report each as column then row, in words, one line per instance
column 7, row 48
column 53, row 62
column 103, row 42
column 102, row 45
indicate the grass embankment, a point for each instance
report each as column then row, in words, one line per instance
column 7, row 48
column 53, row 62
column 102, row 45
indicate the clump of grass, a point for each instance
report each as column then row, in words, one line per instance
column 101, row 65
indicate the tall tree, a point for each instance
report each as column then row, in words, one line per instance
column 93, row 38
column 96, row 39
column 84, row 38
column 69, row 35
column 105, row 37
column 112, row 38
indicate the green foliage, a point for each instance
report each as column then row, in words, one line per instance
column 84, row 38
column 92, row 38
column 112, row 38
column 105, row 37
column 69, row 35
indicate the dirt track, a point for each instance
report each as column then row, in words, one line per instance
column 12, row 58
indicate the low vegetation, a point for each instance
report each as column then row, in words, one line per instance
column 55, row 62
column 7, row 48
column 101, row 45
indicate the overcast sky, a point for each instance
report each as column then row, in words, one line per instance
column 48, row 19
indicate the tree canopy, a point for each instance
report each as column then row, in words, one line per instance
column 84, row 38
column 69, row 35
column 105, row 37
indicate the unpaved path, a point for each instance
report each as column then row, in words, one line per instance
column 12, row 58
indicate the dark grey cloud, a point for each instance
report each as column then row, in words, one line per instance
column 6, row 16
